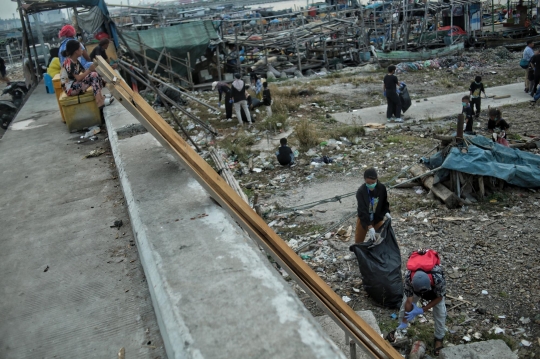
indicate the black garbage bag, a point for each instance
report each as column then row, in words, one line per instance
column 404, row 98
column 380, row 266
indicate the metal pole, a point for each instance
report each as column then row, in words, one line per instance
column 218, row 63
column 25, row 33
column 36, row 61
column 492, row 17
column 239, row 67
column 45, row 53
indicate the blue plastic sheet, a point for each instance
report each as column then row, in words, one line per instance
column 487, row 158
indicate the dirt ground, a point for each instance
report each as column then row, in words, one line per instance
column 491, row 246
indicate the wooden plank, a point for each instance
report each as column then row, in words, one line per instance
column 438, row 189
column 344, row 315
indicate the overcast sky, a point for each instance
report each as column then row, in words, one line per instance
column 8, row 8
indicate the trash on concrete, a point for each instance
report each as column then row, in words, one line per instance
column 92, row 131
column 95, row 153
column 46, row 269
column 117, row 224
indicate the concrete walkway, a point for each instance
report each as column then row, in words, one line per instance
column 70, row 286
column 215, row 294
column 438, row 106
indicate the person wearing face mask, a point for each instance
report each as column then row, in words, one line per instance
column 468, row 112
column 373, row 206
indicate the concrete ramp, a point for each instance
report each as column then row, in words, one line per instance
column 214, row 293
column 338, row 335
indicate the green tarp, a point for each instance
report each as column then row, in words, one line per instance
column 193, row 37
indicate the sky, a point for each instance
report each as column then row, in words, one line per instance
column 8, row 8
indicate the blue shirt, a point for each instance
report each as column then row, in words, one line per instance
column 86, row 64
column 528, row 53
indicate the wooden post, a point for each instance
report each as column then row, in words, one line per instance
column 460, row 122
column 143, row 51
column 325, row 55
column 482, row 191
column 458, row 185
column 239, row 67
column 297, row 52
column 218, row 63
column 158, row 61
column 189, row 74
column 447, row 196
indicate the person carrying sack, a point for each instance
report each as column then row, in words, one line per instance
column 373, row 207
column 424, row 279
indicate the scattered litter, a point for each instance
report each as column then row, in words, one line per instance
column 502, row 316
column 376, row 126
column 346, row 299
column 356, row 290
column 477, row 335
column 95, row 153
column 467, row 338
column 525, row 320
column 393, row 316
column 485, row 292
column 257, row 170
column 525, row 343
column 46, row 269
column 92, row 131
column 117, row 224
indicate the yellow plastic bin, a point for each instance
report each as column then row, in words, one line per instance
column 80, row 111
column 58, row 91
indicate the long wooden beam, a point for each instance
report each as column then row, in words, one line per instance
column 246, row 217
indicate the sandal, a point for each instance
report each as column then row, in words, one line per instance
column 437, row 349
column 391, row 337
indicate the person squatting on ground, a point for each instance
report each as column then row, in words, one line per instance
column 75, row 79
column 68, row 33
column 223, row 88
column 390, row 91
column 495, row 122
column 373, row 206
column 528, row 53
column 239, row 98
column 475, row 91
column 428, row 285
column 284, row 154
column 468, row 112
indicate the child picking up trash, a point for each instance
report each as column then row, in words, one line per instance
column 285, row 155
column 498, row 126
column 468, row 112
column 475, row 91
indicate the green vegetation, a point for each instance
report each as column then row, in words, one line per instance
column 306, row 134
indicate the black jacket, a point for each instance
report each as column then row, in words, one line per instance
column 239, row 95
column 363, row 199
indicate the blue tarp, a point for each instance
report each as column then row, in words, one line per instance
column 487, row 158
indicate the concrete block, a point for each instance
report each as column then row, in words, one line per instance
column 214, row 293
column 491, row 349
column 338, row 335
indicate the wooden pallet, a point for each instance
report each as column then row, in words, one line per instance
column 356, row 328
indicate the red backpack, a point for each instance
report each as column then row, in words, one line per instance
column 424, row 260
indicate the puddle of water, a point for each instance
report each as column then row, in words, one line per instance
column 24, row 125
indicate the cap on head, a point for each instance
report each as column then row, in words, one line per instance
column 214, row 84
column 421, row 282
column 370, row 173
column 237, row 76
column 67, row 31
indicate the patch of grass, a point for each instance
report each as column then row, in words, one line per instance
column 503, row 294
column 512, row 344
column 446, row 83
column 498, row 196
column 513, row 136
column 274, row 123
column 239, row 147
column 306, row 134
column 350, row 132
column 423, row 332
column 335, row 75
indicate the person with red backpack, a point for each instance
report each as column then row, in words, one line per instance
column 424, row 279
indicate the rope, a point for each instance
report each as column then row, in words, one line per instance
column 328, row 230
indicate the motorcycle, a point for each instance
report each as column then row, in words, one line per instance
column 8, row 109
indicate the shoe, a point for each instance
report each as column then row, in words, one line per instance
column 228, row 120
column 250, row 124
column 389, row 119
column 399, row 120
column 108, row 101
column 526, row 90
